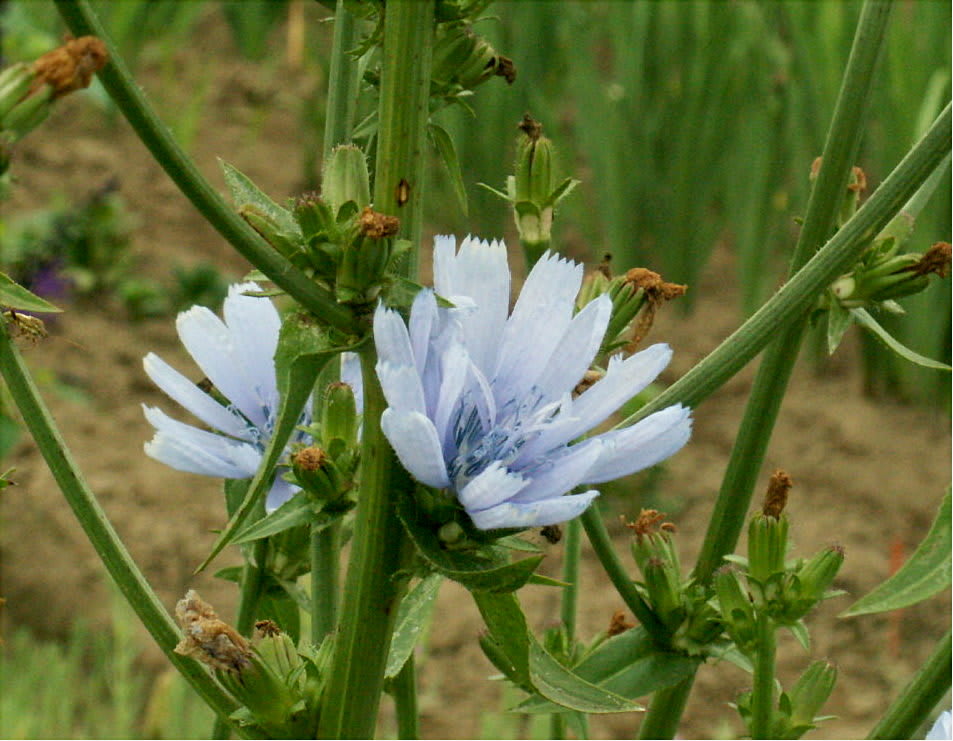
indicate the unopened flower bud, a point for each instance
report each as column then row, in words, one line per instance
column 818, row 572
column 340, row 415
column 15, row 83
column 736, row 608
column 663, row 585
column 808, row 696
column 345, row 179
column 268, row 228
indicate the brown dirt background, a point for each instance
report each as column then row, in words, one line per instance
column 867, row 472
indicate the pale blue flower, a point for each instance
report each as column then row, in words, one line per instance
column 481, row 400
column 237, row 356
column 943, row 728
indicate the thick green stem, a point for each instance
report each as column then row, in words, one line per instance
column 159, row 141
column 342, row 80
column 572, row 551
column 908, row 712
column 403, row 113
column 372, row 590
column 405, row 699
column 325, row 554
column 840, row 152
column 661, row 720
column 616, row 571
column 796, row 297
column 99, row 530
column 762, row 690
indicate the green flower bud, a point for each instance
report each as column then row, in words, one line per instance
column 340, row 415
column 283, row 243
column 664, row 589
column 594, row 284
column 767, row 546
column 462, row 61
column 807, row 698
column 15, row 82
column 817, row 573
column 28, row 113
column 345, row 179
column 736, row 609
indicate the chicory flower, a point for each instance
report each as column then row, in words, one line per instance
column 480, row 400
column 237, row 357
column 943, row 728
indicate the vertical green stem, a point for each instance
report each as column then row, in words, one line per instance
column 99, row 530
column 372, row 589
column 342, row 80
column 403, row 114
column 908, row 712
column 405, row 699
column 572, row 550
column 657, row 724
column 325, row 556
column 762, row 691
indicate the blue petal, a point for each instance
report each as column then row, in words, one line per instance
column 254, row 325
column 401, row 386
column 644, row 444
column 533, row 514
column 187, row 448
column 351, row 375
column 391, row 338
column 281, row 491
column 490, row 487
column 561, row 474
column 183, row 391
column 414, row 439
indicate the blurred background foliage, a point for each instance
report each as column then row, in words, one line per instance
column 692, row 126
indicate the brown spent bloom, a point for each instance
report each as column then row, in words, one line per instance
column 650, row 521
column 266, row 629
column 618, row 624
column 207, row 639
column 531, row 127
column 505, row 68
column 26, row 326
column 311, row 458
column 71, row 66
column 934, row 260
column 777, row 495
column 377, row 225
column 657, row 292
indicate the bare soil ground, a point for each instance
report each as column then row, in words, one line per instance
column 867, row 473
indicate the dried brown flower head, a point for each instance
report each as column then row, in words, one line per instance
column 208, row 639
column 71, row 66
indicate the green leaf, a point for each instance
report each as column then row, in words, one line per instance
column 296, row 511
column 245, row 193
column 839, row 320
column 566, row 187
column 303, row 350
column 448, row 154
column 507, row 626
column 412, row 615
column 922, row 576
column 403, row 291
column 628, row 665
column 567, row 689
column 487, row 568
column 865, row 320
column 15, row 296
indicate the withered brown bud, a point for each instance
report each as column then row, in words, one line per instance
column 505, row 69
column 377, row 225
column 618, row 624
column 311, row 458
column 71, row 66
column 656, row 289
column 777, row 495
column 650, row 521
column 266, row 628
column 208, row 639
column 934, row 260
column 531, row 127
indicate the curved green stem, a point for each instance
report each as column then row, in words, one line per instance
column 771, row 382
column 665, row 710
column 115, row 77
column 123, row 570
column 908, row 712
column 762, row 691
column 616, row 571
column 405, row 699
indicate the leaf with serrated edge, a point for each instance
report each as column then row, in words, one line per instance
column 245, row 193
column 926, row 573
